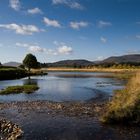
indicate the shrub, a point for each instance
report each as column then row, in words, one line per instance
column 125, row 105
column 19, row 89
column 12, row 73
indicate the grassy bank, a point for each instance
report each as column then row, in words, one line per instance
column 125, row 105
column 112, row 73
column 19, row 89
column 65, row 69
column 8, row 73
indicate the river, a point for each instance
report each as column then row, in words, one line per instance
column 38, row 122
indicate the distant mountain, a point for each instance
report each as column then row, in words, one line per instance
column 133, row 58
column 70, row 63
column 13, row 64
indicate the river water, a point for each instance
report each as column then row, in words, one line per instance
column 60, row 87
column 64, row 86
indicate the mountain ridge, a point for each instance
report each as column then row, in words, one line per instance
column 132, row 58
column 123, row 59
column 12, row 64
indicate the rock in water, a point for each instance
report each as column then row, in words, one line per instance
column 9, row 131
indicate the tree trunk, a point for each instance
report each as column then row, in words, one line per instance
column 29, row 69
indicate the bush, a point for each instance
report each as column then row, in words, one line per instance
column 125, row 105
column 11, row 73
column 19, row 89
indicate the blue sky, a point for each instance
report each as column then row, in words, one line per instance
column 55, row 30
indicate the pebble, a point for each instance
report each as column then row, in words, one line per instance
column 9, row 130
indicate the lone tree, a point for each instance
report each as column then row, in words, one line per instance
column 30, row 61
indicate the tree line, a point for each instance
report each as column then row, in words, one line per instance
column 30, row 61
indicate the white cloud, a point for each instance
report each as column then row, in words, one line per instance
column 78, row 25
column 36, row 48
column 138, row 36
column 21, row 29
column 15, row 4
column 102, row 24
column 56, row 43
column 31, row 47
column 103, row 39
column 51, row 52
column 70, row 3
column 34, row 11
column 99, row 58
column 62, row 48
column 133, row 52
column 50, row 22
column 22, row 44
column 65, row 50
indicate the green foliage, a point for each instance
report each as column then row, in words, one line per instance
column 125, row 105
column 8, row 73
column 127, row 65
column 30, row 61
column 19, row 89
column 22, row 66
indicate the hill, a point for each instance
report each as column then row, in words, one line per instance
column 12, row 64
column 70, row 63
column 133, row 58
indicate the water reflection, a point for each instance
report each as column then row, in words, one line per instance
column 30, row 81
column 60, row 88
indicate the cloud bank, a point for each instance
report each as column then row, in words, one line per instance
column 15, row 4
column 34, row 11
column 50, row 22
column 78, row 25
column 70, row 3
column 62, row 48
column 102, row 24
column 21, row 29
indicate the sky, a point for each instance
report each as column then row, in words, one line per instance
column 56, row 30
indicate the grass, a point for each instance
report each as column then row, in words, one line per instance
column 65, row 69
column 125, row 105
column 8, row 73
column 122, row 74
column 36, row 72
column 19, row 89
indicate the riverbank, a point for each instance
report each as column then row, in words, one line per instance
column 123, row 74
column 70, row 120
column 61, row 69
column 9, row 131
column 11, row 73
column 125, row 104
column 24, row 114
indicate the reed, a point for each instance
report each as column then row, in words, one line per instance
column 125, row 105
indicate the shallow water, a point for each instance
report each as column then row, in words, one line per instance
column 64, row 86
column 43, row 126
column 39, row 124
